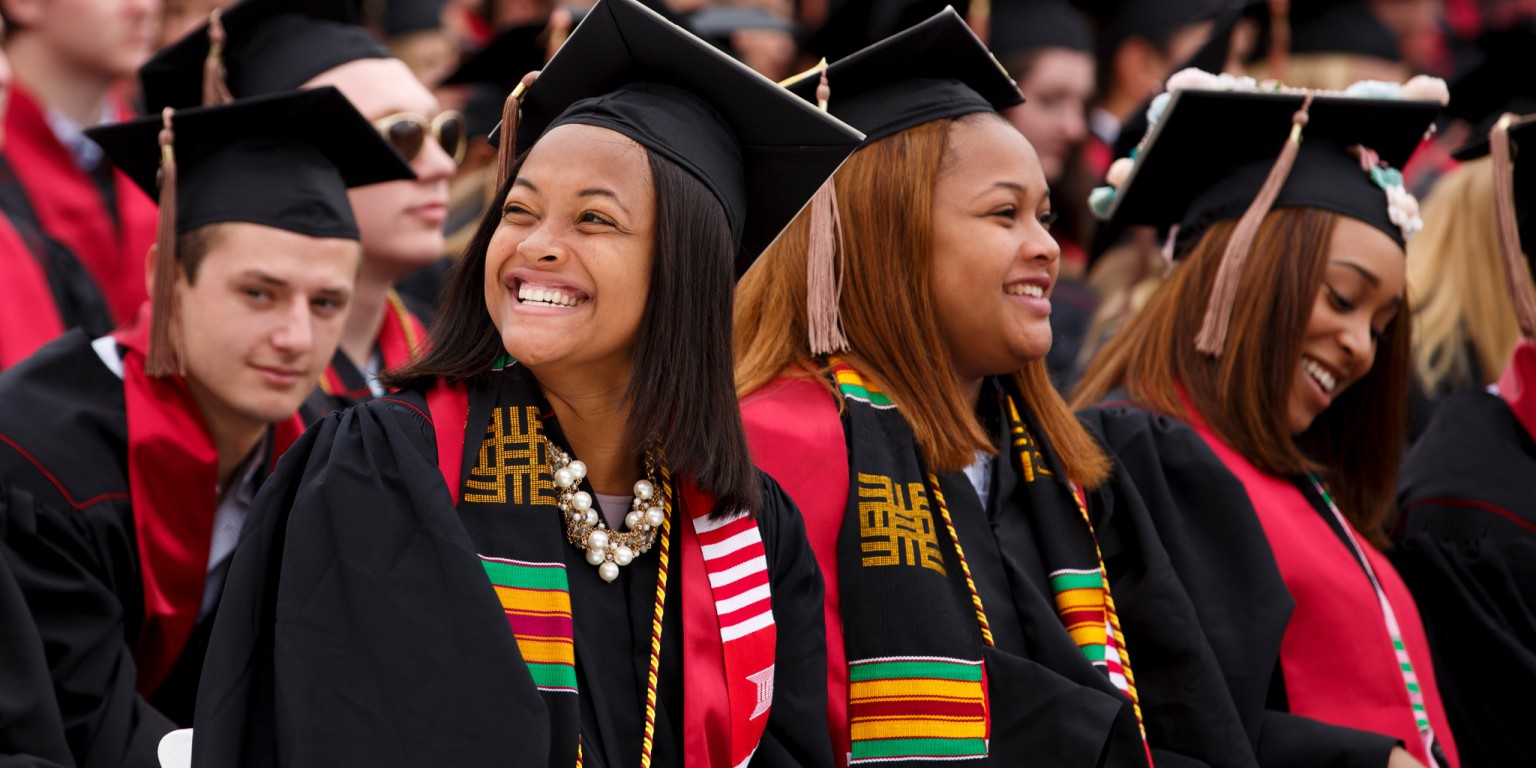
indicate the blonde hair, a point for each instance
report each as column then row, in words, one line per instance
column 1456, row 281
column 885, row 197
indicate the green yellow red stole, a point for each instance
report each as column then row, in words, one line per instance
column 917, row 683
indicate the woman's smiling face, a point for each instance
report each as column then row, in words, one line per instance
column 568, row 270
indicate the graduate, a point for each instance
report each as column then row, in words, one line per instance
column 559, row 502
column 1468, row 503
column 127, row 463
column 275, row 46
column 66, row 59
column 1258, row 402
column 945, row 485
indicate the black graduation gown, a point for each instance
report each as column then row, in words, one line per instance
column 1467, row 550
column 68, row 529
column 1195, row 725
column 359, row 576
column 1219, row 554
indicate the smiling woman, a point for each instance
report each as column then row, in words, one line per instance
column 1259, row 401
column 576, row 404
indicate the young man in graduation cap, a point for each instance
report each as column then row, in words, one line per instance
column 67, row 55
column 275, row 46
column 127, row 462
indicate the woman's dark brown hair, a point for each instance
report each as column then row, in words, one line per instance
column 1243, row 395
column 681, row 389
column 885, row 199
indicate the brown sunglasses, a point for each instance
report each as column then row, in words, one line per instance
column 408, row 133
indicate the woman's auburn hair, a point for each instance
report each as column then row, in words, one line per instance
column 1243, row 395
column 885, row 201
column 1462, row 310
column 681, row 390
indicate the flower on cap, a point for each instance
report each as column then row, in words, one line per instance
column 1373, row 89
column 1119, row 171
column 1100, row 200
column 1192, row 79
column 1426, row 88
column 1403, row 210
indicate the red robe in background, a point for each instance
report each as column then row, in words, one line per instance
column 71, row 208
column 28, row 317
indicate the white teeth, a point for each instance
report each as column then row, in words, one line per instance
column 1025, row 289
column 555, row 297
column 1320, row 374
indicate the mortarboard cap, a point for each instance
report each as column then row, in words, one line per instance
column 273, row 46
column 761, row 151
column 495, row 70
column 397, row 18
column 282, row 161
column 1210, row 153
column 1324, row 26
column 1522, row 136
column 1024, row 25
column 1500, row 83
column 1121, row 20
column 935, row 70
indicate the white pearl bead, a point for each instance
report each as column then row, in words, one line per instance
column 644, row 490
column 597, row 540
column 596, row 557
column 564, row 477
column 578, row 469
column 632, row 519
column 582, row 501
column 578, row 515
column 591, row 517
column 623, row 555
column 654, row 517
column 608, row 571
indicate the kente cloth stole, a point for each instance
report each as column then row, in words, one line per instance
column 173, row 479
column 913, row 623
column 726, row 557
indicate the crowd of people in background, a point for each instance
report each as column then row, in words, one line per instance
column 274, row 274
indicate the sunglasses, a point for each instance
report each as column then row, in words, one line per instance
column 408, row 133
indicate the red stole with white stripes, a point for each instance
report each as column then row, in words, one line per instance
column 730, row 637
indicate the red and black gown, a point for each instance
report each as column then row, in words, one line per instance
column 1467, row 549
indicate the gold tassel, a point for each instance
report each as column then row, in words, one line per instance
column 163, row 358
column 823, row 265
column 1218, row 310
column 215, row 88
column 1509, row 232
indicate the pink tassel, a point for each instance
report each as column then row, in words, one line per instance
column 215, row 89
column 1212, row 337
column 162, row 359
column 1509, row 233
column 823, row 267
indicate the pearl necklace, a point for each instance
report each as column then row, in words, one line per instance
column 585, row 528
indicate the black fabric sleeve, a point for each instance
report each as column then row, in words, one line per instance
column 357, row 625
column 64, row 569
column 31, row 734
column 1292, row 741
column 797, row 734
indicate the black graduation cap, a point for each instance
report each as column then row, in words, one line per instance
column 852, row 25
column 397, row 18
column 760, row 150
column 1212, row 150
column 1120, row 20
column 716, row 23
column 1327, row 26
column 1211, row 57
column 283, row 161
column 1502, row 82
column 1025, row 25
column 495, row 70
column 1522, row 138
column 935, row 70
column 273, row 46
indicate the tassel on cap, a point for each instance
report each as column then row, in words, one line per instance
column 215, row 88
column 1218, row 311
column 506, row 148
column 163, row 358
column 823, row 265
column 1509, row 233
column 1279, row 38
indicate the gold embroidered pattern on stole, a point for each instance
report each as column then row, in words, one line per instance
column 1029, row 453
column 890, row 531
column 511, row 456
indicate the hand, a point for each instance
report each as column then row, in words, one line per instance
column 1401, row 759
